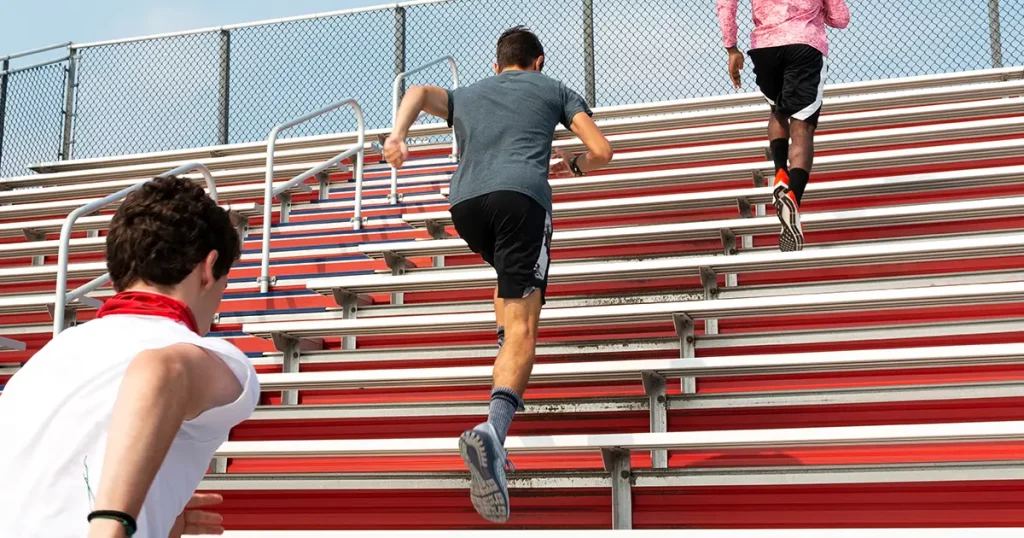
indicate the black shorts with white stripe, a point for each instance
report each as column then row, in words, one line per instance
column 792, row 79
column 512, row 233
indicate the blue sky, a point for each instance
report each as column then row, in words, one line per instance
column 28, row 24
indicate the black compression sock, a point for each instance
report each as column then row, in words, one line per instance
column 798, row 178
column 780, row 153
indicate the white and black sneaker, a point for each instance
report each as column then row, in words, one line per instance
column 486, row 460
column 791, row 238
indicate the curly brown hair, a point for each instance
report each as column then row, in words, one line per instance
column 163, row 230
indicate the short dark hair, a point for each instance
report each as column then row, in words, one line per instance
column 518, row 47
column 164, row 230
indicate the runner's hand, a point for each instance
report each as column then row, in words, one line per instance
column 560, row 164
column 395, row 151
column 196, row 522
column 735, row 66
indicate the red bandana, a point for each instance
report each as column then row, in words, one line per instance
column 139, row 303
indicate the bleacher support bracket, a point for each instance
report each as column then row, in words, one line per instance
column 616, row 462
column 437, row 230
column 325, row 186
column 687, row 347
column 292, row 349
column 33, row 235
column 655, row 386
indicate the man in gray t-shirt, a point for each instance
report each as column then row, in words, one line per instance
column 501, row 207
column 504, row 125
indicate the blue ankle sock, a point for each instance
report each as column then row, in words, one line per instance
column 504, row 403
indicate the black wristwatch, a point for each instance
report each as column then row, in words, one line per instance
column 575, row 168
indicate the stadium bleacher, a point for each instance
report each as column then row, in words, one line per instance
column 689, row 375
column 792, row 533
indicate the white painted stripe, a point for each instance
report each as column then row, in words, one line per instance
column 541, row 269
column 816, row 105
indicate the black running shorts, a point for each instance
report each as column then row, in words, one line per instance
column 512, row 232
column 792, row 79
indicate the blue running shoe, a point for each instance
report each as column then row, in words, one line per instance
column 486, row 460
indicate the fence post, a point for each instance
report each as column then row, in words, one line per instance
column 225, row 87
column 590, row 78
column 69, row 105
column 3, row 105
column 995, row 33
column 400, row 46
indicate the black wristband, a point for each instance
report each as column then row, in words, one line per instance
column 575, row 168
column 124, row 519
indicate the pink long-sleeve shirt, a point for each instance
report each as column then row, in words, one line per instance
column 785, row 22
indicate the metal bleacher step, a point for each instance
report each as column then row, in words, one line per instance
column 996, row 245
column 933, row 155
column 955, row 295
column 745, row 199
column 976, row 432
column 397, row 252
column 859, row 141
column 64, row 207
column 828, row 396
column 631, row 370
column 829, row 122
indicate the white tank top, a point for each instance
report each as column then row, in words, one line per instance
column 54, row 418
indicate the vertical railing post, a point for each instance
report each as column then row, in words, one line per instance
column 69, row 105
column 6, row 66
column 269, row 193
column 589, row 75
column 225, row 87
column 995, row 33
column 396, row 90
column 400, row 46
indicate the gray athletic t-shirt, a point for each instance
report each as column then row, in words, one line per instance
column 504, row 125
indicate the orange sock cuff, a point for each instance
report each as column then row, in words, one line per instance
column 781, row 177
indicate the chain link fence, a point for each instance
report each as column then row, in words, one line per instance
column 1011, row 38
column 285, row 70
column 234, row 84
column 32, row 124
column 142, row 96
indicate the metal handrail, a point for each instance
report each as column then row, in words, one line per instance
column 397, row 89
column 24, row 53
column 62, row 298
column 270, row 192
column 33, row 66
column 350, row 11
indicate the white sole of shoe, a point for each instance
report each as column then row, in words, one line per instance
column 791, row 238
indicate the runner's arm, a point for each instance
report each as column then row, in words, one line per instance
column 161, row 389
column 429, row 99
column 837, row 14
column 727, row 21
column 599, row 151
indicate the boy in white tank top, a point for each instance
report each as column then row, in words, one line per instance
column 115, row 421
